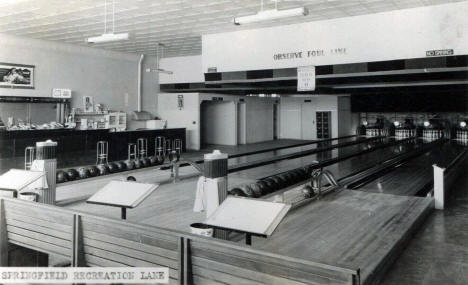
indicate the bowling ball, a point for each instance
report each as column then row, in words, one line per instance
column 294, row 176
column 61, row 176
column 256, row 190
column 308, row 170
column 131, row 178
column 138, row 163
column 284, row 180
column 121, row 165
column 289, row 178
column 247, row 191
column 113, row 168
column 103, row 169
column 72, row 174
column 130, row 164
column 302, row 173
column 159, row 160
column 93, row 171
column 263, row 187
column 278, row 181
column 272, row 185
column 153, row 160
column 237, row 192
column 146, row 162
column 83, row 172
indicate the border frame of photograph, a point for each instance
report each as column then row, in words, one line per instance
column 18, row 86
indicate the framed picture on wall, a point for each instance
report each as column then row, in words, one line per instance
column 88, row 105
column 16, row 76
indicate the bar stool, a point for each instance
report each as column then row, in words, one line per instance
column 160, row 146
column 168, row 151
column 142, row 147
column 29, row 155
column 177, row 148
column 132, row 151
column 102, row 152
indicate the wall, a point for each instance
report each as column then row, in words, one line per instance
column 347, row 121
column 218, row 122
column 259, row 119
column 397, row 34
column 188, row 117
column 293, row 116
column 110, row 77
column 186, row 69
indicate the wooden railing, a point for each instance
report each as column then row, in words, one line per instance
column 90, row 240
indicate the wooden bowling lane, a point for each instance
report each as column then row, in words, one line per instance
column 413, row 176
column 350, row 228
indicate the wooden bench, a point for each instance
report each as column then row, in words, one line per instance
column 90, row 240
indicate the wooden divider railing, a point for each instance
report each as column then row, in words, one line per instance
column 90, row 240
column 444, row 177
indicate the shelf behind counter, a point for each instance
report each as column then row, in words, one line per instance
column 13, row 143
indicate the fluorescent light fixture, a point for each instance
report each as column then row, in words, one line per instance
column 427, row 124
column 159, row 70
column 396, row 123
column 111, row 37
column 273, row 14
column 365, row 123
column 462, row 124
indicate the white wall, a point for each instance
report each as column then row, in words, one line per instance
column 186, row 69
column 188, row 117
column 110, row 77
column 391, row 35
column 219, row 122
column 292, row 115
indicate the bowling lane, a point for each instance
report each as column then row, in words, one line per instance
column 411, row 177
column 286, row 151
column 340, row 169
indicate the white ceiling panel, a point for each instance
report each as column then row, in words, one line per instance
column 178, row 24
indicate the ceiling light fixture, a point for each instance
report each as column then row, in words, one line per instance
column 274, row 14
column 462, row 124
column 108, row 37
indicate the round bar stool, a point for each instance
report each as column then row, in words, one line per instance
column 29, row 155
column 142, row 147
column 132, row 151
column 160, row 146
column 177, row 148
column 102, row 152
column 168, row 151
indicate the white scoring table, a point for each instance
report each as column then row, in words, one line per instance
column 122, row 194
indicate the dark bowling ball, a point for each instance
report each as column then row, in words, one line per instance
column 138, row 163
column 130, row 164
column 247, row 191
column 289, row 178
column 159, row 160
column 237, row 192
column 256, row 190
column 263, row 187
column 278, row 182
column 146, row 162
column 61, row 176
column 103, row 169
column 283, row 179
column 153, row 160
column 131, row 178
column 308, row 170
column 83, row 172
column 272, row 185
column 113, row 168
column 72, row 174
column 302, row 173
column 93, row 171
column 296, row 176
column 121, row 165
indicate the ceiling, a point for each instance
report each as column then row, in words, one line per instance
column 178, row 24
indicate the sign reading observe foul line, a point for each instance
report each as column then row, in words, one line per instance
column 306, row 78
